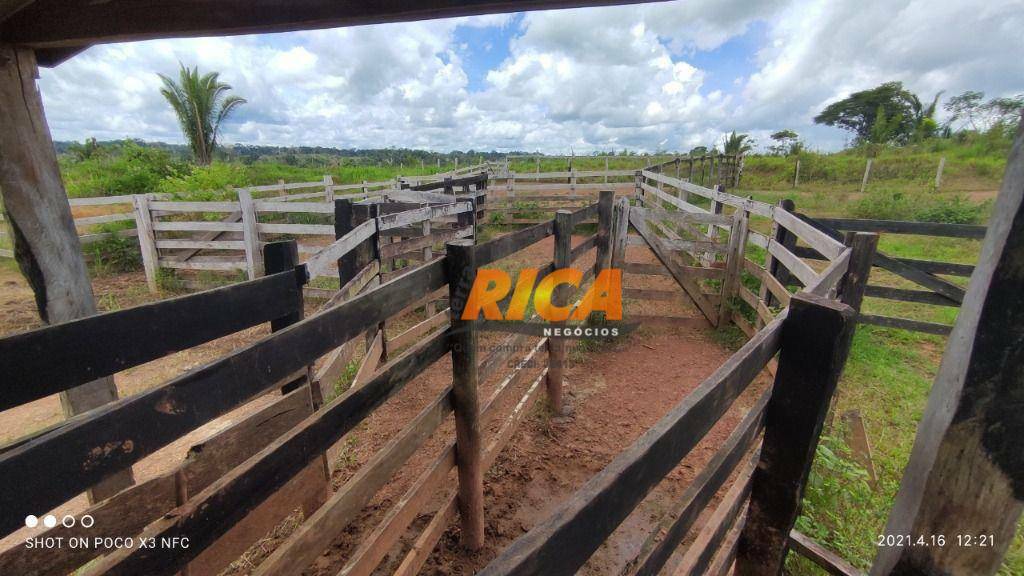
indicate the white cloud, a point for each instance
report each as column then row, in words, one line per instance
column 599, row 78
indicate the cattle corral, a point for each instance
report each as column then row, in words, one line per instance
column 793, row 285
column 227, row 495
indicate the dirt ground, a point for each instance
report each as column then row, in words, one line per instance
column 617, row 391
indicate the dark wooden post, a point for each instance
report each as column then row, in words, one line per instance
column 279, row 257
column 464, row 219
column 343, row 218
column 965, row 478
column 481, row 199
column 462, row 269
column 815, row 343
column 605, row 203
column 560, row 297
column 863, row 246
column 46, row 245
column 448, row 188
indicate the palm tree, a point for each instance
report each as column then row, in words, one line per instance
column 738, row 143
column 201, row 104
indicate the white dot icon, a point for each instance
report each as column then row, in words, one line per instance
column 31, row 521
column 50, row 521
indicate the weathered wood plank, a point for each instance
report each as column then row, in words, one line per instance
column 823, row 243
column 672, row 530
column 904, row 227
column 828, row 560
column 214, row 510
column 133, row 427
column 58, row 357
column 800, row 269
column 702, row 550
column 310, row 539
column 499, row 248
column 905, row 324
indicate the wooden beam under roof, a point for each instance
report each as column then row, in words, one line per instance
column 49, row 24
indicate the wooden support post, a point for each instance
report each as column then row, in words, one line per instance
column 867, row 174
column 343, row 218
column 147, row 240
column 620, row 232
column 938, row 172
column 605, row 205
column 462, row 270
column 250, row 235
column 690, row 177
column 855, row 281
column 815, row 342
column 733, row 265
column 606, row 169
column 965, row 478
column 428, row 255
column 560, row 296
column 537, row 158
column 328, row 190
column 796, row 173
column 46, row 245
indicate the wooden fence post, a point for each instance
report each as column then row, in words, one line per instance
column 796, row 173
column 938, row 172
column 855, row 282
column 965, row 477
column 343, row 218
column 250, row 235
column 620, row 231
column 428, row 255
column 815, row 343
column 733, row 265
column 560, row 296
column 328, row 190
column 605, row 205
column 462, row 270
column 147, row 239
column 867, row 174
column 606, row 169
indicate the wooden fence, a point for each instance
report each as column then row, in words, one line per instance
column 234, row 489
column 769, row 453
column 811, row 334
column 927, row 274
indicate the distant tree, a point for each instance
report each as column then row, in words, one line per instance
column 884, row 114
column 787, row 142
column 965, row 109
column 201, row 104
column 969, row 111
column 698, row 151
column 738, row 143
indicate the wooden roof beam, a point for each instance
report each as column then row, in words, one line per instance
column 49, row 24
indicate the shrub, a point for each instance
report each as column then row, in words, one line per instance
column 129, row 169
column 918, row 206
column 115, row 253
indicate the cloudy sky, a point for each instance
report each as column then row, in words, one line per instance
column 662, row 76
